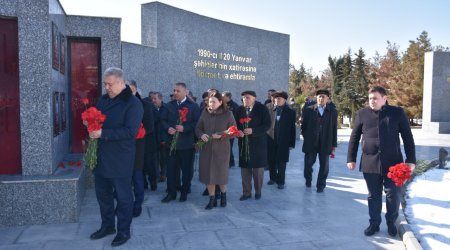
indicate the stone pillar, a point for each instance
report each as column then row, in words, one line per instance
column 436, row 91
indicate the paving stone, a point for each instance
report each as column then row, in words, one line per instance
column 43, row 233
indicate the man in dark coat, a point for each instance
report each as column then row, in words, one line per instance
column 162, row 138
column 319, row 130
column 232, row 106
column 281, row 137
column 116, row 153
column 143, row 150
column 182, row 155
column 380, row 125
column 252, row 159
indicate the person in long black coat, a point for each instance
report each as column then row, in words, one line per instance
column 232, row 106
column 143, row 149
column 115, row 156
column 281, row 137
column 380, row 125
column 182, row 155
column 252, row 162
column 319, row 130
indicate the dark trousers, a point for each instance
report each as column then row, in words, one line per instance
column 277, row 172
column 258, row 177
column 375, row 183
column 138, row 187
column 183, row 159
column 161, row 160
column 151, row 169
column 231, row 153
column 310, row 159
column 104, row 189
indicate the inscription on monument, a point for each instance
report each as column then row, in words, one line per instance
column 223, row 65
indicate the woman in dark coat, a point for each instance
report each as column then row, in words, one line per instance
column 253, row 161
column 215, row 155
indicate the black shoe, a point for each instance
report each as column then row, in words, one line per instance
column 205, row 193
column 257, row 196
column 183, row 197
column 137, row 212
column 372, row 229
column 245, row 197
column 270, row 182
column 223, row 199
column 320, row 189
column 102, row 232
column 168, row 198
column 280, row 186
column 120, row 239
column 212, row 203
column 392, row 229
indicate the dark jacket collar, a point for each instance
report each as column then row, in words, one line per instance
column 124, row 95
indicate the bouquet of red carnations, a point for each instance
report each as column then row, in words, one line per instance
column 182, row 117
column 93, row 119
column 399, row 174
column 232, row 131
column 245, row 149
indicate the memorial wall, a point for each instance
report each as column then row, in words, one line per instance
column 181, row 46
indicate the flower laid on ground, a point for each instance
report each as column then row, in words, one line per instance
column 141, row 132
column 78, row 163
column 399, row 174
column 182, row 117
column 93, row 119
column 232, row 131
column 61, row 165
column 245, row 149
column 85, row 101
column 332, row 155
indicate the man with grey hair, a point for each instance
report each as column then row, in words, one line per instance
column 115, row 156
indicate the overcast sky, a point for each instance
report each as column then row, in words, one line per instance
column 317, row 28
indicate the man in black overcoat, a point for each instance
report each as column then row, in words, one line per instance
column 281, row 137
column 253, row 161
column 182, row 155
column 116, row 155
column 232, row 106
column 380, row 125
column 319, row 130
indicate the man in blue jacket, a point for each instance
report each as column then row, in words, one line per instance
column 380, row 125
column 183, row 153
column 115, row 156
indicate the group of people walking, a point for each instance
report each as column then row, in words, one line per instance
column 266, row 133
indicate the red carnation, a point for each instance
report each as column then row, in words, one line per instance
column 183, row 112
column 85, row 101
column 78, row 163
column 141, row 132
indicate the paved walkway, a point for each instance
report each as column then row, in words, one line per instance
column 294, row 218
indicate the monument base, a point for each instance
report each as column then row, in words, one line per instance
column 436, row 127
column 27, row 200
